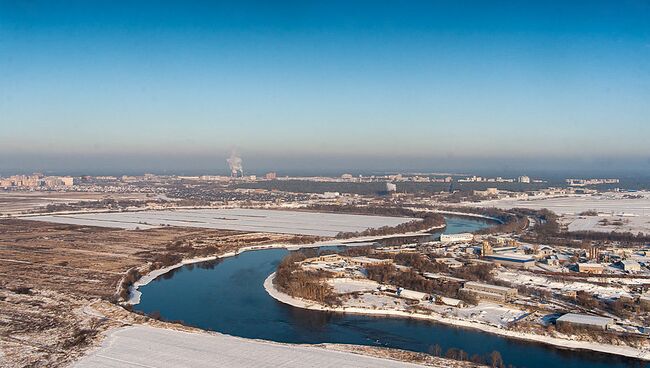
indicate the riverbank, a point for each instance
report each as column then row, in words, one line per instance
column 625, row 351
column 135, row 294
column 147, row 346
column 468, row 215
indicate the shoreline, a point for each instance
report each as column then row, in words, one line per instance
column 135, row 294
column 625, row 351
column 467, row 214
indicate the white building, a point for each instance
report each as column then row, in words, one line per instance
column 595, row 268
column 452, row 238
column 630, row 265
column 524, row 179
column 512, row 260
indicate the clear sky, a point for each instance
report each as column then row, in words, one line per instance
column 331, row 84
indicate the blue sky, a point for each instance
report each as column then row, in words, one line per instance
column 442, row 83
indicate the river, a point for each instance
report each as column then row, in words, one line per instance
column 228, row 296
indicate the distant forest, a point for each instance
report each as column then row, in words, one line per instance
column 304, row 186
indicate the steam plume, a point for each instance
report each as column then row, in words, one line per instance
column 235, row 163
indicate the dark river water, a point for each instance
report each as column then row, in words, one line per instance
column 228, row 296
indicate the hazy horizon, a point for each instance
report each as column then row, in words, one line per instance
column 335, row 86
column 256, row 163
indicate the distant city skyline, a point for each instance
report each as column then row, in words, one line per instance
column 330, row 86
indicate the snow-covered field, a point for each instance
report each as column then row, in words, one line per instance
column 274, row 221
column 632, row 224
column 634, row 213
column 143, row 346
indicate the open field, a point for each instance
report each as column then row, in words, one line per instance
column 623, row 213
column 154, row 347
column 253, row 220
column 14, row 203
column 58, row 283
column 51, row 273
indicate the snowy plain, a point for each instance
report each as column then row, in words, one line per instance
column 255, row 220
column 142, row 346
column 631, row 210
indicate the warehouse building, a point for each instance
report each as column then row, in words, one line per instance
column 494, row 293
column 571, row 320
column 594, row 268
column 453, row 238
column 629, row 265
column 512, row 260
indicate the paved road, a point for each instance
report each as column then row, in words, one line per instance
column 149, row 347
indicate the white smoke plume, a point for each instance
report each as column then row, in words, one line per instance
column 235, row 163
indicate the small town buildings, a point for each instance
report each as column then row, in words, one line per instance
column 584, row 321
column 489, row 292
column 593, row 268
column 512, row 260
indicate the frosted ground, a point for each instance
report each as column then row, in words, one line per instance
column 542, row 282
column 488, row 313
column 153, row 347
column 632, row 213
column 254, row 220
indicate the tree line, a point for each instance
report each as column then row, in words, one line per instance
column 291, row 279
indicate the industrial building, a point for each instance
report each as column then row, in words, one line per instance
column 594, row 268
column 452, row 238
column 411, row 294
column 629, row 266
column 584, row 321
column 489, row 292
column 512, row 260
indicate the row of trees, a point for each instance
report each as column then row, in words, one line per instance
column 493, row 359
column 428, row 221
column 293, row 280
column 513, row 221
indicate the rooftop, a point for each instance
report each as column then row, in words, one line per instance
column 511, row 257
column 493, row 287
column 585, row 319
